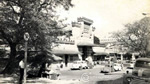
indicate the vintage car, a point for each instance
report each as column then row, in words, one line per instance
column 131, row 66
column 117, row 67
column 111, row 68
column 140, row 73
column 79, row 65
column 106, row 69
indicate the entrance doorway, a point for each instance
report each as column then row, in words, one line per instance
column 86, row 51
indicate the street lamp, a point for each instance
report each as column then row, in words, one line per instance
column 26, row 38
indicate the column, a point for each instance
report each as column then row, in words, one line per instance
column 133, row 56
column 121, row 57
column 80, row 57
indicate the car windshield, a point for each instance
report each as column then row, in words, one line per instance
column 141, row 63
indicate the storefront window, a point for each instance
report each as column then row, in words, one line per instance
column 73, row 58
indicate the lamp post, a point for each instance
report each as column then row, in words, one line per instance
column 26, row 38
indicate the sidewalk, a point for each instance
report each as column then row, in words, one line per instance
column 14, row 80
column 10, row 80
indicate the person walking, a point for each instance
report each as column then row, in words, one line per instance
column 21, row 65
column 61, row 64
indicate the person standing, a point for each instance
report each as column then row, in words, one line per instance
column 61, row 64
column 89, row 61
column 21, row 65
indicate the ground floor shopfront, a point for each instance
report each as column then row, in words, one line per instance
column 70, row 53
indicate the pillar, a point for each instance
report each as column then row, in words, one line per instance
column 133, row 56
column 80, row 57
column 121, row 57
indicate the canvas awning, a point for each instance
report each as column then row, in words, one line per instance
column 86, row 44
column 65, row 49
column 57, row 58
column 99, row 51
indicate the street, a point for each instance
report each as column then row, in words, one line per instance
column 84, row 76
column 90, row 76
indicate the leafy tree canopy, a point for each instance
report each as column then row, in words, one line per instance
column 37, row 17
column 136, row 36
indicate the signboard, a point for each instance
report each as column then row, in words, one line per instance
column 26, row 36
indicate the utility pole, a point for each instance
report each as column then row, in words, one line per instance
column 26, row 38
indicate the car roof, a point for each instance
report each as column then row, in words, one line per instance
column 143, row 59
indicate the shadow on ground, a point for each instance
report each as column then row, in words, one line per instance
column 117, row 81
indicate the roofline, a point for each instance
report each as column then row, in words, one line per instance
column 146, row 59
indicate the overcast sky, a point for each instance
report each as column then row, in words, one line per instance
column 108, row 15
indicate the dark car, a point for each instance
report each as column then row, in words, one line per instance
column 140, row 73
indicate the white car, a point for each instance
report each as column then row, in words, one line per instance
column 106, row 69
column 79, row 65
column 117, row 67
column 131, row 65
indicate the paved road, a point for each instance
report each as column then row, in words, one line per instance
column 90, row 76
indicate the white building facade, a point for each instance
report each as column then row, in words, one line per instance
column 78, row 45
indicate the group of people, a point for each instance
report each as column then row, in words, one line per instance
column 46, row 70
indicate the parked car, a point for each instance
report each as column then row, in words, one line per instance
column 106, row 69
column 111, row 67
column 117, row 67
column 140, row 73
column 79, row 65
column 131, row 66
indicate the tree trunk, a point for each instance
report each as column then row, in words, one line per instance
column 11, row 64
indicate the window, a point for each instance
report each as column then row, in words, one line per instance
column 141, row 63
column 86, row 27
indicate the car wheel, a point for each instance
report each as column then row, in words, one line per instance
column 118, row 69
column 127, row 80
column 80, row 67
column 114, row 70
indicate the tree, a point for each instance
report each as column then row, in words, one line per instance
column 136, row 36
column 37, row 17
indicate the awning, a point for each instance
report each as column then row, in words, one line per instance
column 57, row 58
column 85, row 44
column 99, row 51
column 65, row 49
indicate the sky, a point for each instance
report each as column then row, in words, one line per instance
column 108, row 15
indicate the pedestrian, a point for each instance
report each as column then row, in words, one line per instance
column 61, row 64
column 48, row 69
column 21, row 65
column 89, row 62
column 122, row 66
column 42, row 69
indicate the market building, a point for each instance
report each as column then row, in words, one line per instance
column 78, row 43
